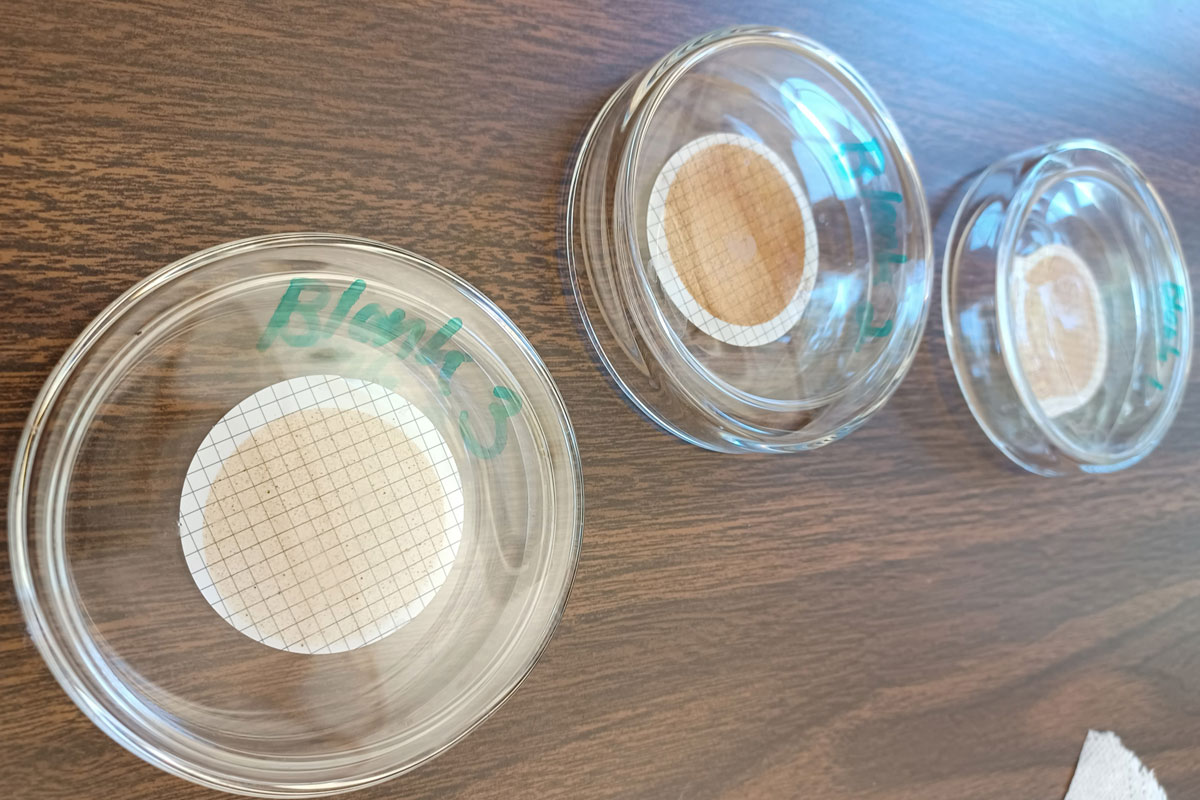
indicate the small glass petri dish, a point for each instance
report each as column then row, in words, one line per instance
column 294, row 514
column 1067, row 309
column 749, row 244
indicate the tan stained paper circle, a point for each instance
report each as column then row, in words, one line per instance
column 321, row 514
column 732, row 239
column 1061, row 330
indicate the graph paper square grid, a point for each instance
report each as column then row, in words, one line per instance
column 768, row 200
column 321, row 514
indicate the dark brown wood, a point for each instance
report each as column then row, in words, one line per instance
column 902, row 615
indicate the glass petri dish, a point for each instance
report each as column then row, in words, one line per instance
column 749, row 243
column 294, row 514
column 1067, row 309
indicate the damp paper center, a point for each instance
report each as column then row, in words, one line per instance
column 321, row 514
column 1062, row 338
column 732, row 239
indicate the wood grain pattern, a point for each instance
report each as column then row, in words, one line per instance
column 900, row 616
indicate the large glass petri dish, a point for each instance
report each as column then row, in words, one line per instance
column 749, row 243
column 294, row 514
column 1067, row 309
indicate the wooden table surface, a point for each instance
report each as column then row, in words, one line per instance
column 900, row 615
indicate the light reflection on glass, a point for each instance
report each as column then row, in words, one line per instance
column 810, row 108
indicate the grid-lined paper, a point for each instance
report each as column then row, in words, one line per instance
column 757, row 212
column 321, row 514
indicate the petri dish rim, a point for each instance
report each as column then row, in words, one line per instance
column 1116, row 168
column 654, row 88
column 575, row 270
column 949, row 276
column 51, row 609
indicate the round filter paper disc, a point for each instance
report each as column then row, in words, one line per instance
column 321, row 514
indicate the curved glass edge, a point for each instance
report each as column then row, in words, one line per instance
column 1125, row 173
column 79, row 687
column 576, row 271
column 1029, row 180
column 688, row 56
column 646, row 94
column 959, row 230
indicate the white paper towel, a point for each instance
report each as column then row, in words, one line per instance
column 1107, row 770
